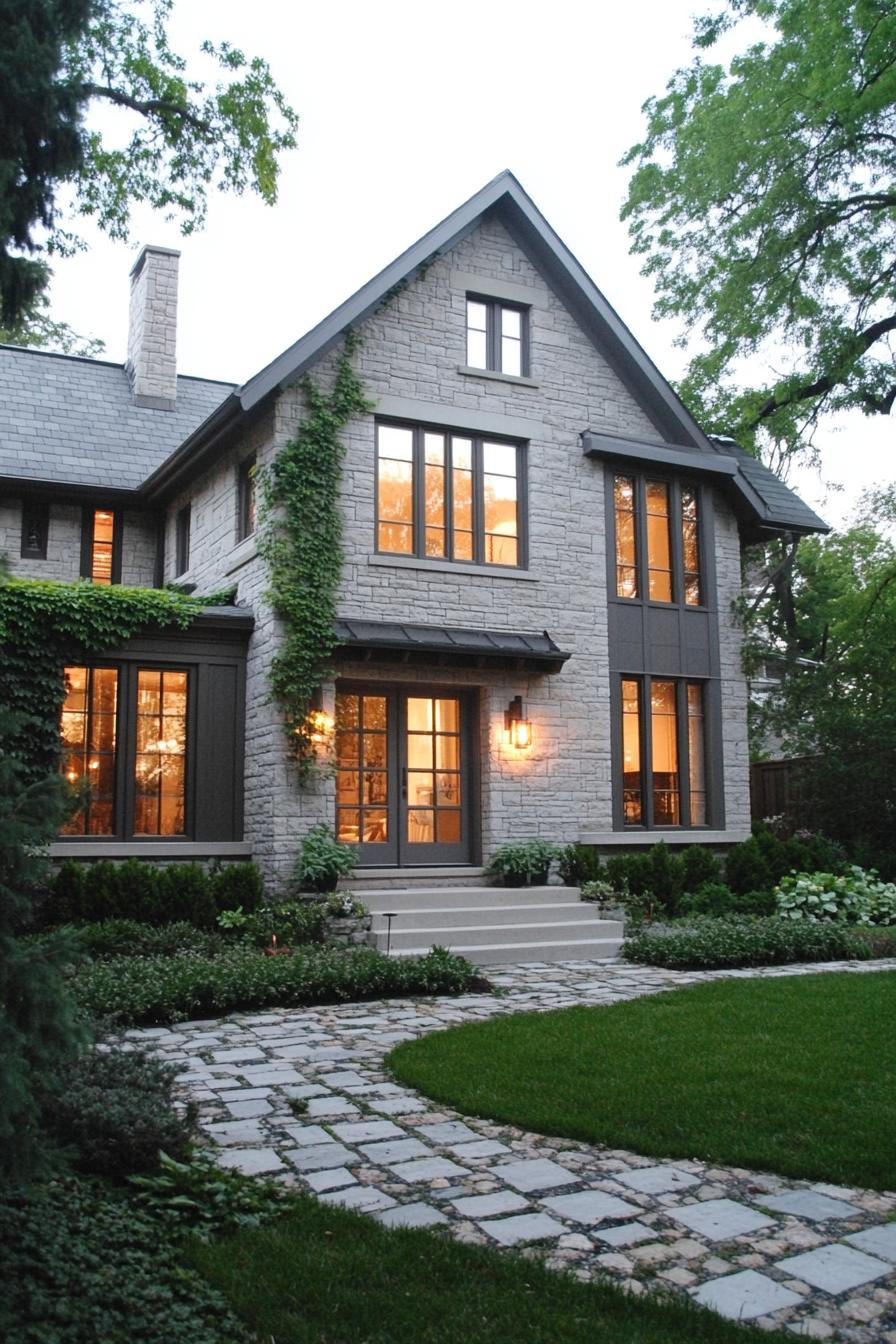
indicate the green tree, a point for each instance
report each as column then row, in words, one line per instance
column 179, row 138
column 763, row 202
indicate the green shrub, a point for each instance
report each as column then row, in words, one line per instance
column 519, row 861
column 65, row 900
column 206, row 1200
column 81, row 1264
column 236, row 885
column 755, row 903
column 579, row 863
column 629, row 873
column 134, row 990
column 666, row 877
column 323, row 860
column 746, row 868
column 292, row 923
column 130, row 938
column 705, row 944
column 598, row 891
column 186, row 892
column 699, row 865
column 114, row 1108
column 710, row 898
column 854, row 897
column 149, row 893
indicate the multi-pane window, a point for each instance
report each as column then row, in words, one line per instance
column 89, row 727
column 448, row 496
column 182, row 541
column 663, row 742
column 433, row 775
column 35, row 530
column 657, row 537
column 362, row 780
column 245, row 516
column 497, row 336
column 124, row 746
column 100, row 549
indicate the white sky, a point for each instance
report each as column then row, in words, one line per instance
column 406, row 110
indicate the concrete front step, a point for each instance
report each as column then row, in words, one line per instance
column 439, row 875
column 458, row 937
column 494, row 954
column 442, row 898
column 480, row 916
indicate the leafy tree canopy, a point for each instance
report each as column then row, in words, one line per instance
column 183, row 137
column 763, row 201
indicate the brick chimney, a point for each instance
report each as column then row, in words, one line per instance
column 152, row 328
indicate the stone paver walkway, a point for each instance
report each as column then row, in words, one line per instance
column 813, row 1258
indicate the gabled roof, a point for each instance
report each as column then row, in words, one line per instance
column 72, row 421
column 775, row 503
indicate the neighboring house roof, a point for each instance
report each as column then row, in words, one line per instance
column 72, row 421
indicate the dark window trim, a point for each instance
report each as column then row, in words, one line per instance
column 39, row 510
column 87, row 523
column 477, row 439
column 183, row 526
column 494, row 309
column 705, row 530
column 245, row 496
column 712, row 752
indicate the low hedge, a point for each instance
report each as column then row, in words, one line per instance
column 150, row 893
column 135, row 990
column 708, row 944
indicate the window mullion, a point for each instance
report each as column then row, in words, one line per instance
column 418, row 490
column 126, row 764
column 478, row 504
column 684, row 753
column 448, row 495
column 646, row 753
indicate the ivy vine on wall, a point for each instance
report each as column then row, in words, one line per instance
column 44, row 625
column 301, row 541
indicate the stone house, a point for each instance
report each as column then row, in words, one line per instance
column 541, row 553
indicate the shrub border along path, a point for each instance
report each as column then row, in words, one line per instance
column 809, row 1257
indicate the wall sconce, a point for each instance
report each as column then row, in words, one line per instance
column 321, row 725
column 516, row 725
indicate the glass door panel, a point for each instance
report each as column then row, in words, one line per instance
column 365, row 770
column 434, row 793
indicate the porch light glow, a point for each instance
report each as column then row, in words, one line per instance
column 516, row 725
column 320, row 725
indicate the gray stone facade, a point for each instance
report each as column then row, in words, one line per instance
column 413, row 362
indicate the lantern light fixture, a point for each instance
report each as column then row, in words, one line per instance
column 516, row 725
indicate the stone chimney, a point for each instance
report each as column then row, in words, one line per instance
column 152, row 328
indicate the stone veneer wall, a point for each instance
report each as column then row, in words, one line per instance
column 411, row 359
column 138, row 550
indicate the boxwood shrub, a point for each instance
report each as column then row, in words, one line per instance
column 135, row 990
column 707, row 944
column 150, row 893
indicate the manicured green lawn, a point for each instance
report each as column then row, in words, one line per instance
column 794, row 1075
column 325, row 1276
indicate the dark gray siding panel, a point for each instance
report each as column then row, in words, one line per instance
column 219, row 755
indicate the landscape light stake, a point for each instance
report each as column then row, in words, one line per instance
column 389, row 915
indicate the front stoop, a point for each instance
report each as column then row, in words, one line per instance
column 491, row 925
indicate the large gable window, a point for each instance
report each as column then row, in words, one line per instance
column 448, row 496
column 658, row 541
column 663, row 738
column 497, row 336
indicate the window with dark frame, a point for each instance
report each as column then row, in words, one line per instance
column 657, row 527
column 245, row 522
column 497, row 336
column 182, row 541
column 151, row 704
column 663, row 738
column 447, row 495
column 35, row 530
column 101, row 546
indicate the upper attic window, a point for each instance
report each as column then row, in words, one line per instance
column 497, row 336
column 101, row 546
column 245, row 503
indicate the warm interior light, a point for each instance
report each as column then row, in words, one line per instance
column 516, row 725
column 321, row 725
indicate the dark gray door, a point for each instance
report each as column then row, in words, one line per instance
column 403, row 775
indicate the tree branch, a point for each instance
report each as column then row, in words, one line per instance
column 828, row 381
column 150, row 106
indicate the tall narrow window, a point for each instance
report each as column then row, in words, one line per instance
column 245, row 518
column 100, row 550
column 362, row 780
column 182, row 541
column 89, row 714
column 497, row 336
column 160, row 764
column 35, row 529
column 626, row 538
column 462, row 489
column 664, row 752
column 631, row 754
column 690, row 543
column 500, row 498
column 433, row 774
column 659, row 549
column 434, row 494
column 697, row 754
column 395, row 470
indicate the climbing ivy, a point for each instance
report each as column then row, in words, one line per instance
column 44, row 625
column 301, row 541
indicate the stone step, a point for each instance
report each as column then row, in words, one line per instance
column 503, row 932
column 438, row 875
column 501, row 953
column 442, row 898
column 467, row 915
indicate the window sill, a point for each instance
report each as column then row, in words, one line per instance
column 241, row 554
column 106, row 847
column 674, row 835
column 450, row 567
column 494, row 374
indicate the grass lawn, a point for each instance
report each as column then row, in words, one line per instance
column 794, row 1076
column 326, row 1276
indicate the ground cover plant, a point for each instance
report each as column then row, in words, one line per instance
column 794, row 1075
column 327, row 1276
column 161, row 989
column 713, row 943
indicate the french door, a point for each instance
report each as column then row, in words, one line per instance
column 403, row 774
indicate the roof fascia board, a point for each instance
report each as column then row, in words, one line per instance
column 71, row 491
column 596, row 444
